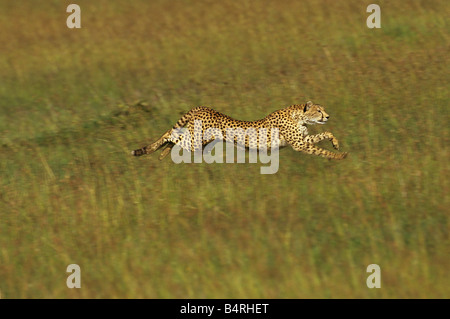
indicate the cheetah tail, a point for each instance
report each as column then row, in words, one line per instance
column 166, row 136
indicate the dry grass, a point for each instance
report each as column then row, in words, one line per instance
column 140, row 228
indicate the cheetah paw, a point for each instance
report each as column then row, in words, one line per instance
column 335, row 144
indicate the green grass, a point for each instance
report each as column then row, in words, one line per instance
column 75, row 102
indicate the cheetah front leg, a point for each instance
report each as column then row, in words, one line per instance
column 313, row 139
column 309, row 148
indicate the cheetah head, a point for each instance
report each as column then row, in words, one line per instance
column 314, row 114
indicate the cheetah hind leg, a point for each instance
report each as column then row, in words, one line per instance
column 163, row 140
column 167, row 148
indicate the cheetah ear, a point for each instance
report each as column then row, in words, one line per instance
column 308, row 106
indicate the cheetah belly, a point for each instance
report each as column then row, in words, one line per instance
column 283, row 142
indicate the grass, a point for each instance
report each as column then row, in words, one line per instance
column 75, row 102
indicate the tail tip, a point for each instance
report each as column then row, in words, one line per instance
column 139, row 152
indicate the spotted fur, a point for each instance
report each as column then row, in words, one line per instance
column 291, row 122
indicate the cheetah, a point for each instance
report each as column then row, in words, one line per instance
column 291, row 123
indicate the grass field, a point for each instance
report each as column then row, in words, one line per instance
column 75, row 102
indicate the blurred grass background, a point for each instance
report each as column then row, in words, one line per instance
column 74, row 102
